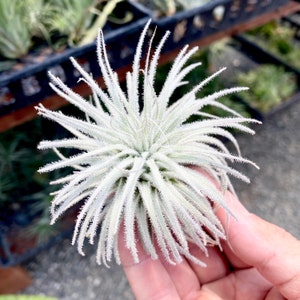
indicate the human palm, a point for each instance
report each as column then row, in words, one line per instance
column 258, row 261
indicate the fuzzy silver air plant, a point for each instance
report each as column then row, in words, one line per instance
column 137, row 164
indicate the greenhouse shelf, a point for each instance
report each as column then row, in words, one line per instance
column 17, row 104
column 29, row 85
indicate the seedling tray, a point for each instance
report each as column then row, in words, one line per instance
column 29, row 85
column 190, row 25
column 254, row 46
column 212, row 17
column 260, row 56
column 244, row 10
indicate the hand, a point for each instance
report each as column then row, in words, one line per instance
column 259, row 261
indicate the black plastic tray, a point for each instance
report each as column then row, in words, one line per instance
column 188, row 26
column 10, row 257
column 17, row 246
column 30, row 84
column 244, row 10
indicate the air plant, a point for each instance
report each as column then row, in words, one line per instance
column 137, row 159
column 15, row 38
column 20, row 22
column 79, row 20
column 71, row 18
column 37, row 16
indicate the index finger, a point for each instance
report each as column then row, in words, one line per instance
column 270, row 249
column 150, row 279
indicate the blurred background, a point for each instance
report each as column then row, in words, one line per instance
column 258, row 42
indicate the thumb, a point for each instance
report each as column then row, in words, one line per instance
column 270, row 249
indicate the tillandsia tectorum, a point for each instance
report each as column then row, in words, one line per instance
column 136, row 162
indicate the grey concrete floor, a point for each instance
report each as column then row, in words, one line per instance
column 273, row 194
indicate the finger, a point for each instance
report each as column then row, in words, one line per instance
column 234, row 260
column 273, row 251
column 148, row 279
column 184, row 278
column 216, row 264
column 274, row 295
column 154, row 279
column 246, row 284
column 229, row 224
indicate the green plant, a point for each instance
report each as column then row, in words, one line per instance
column 12, row 157
column 79, row 20
column 5, row 187
column 71, row 18
column 58, row 22
column 20, row 23
column 36, row 17
column 24, row 194
column 137, row 156
column 15, row 38
column 270, row 85
column 279, row 40
column 40, row 229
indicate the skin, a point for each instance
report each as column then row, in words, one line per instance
column 259, row 261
